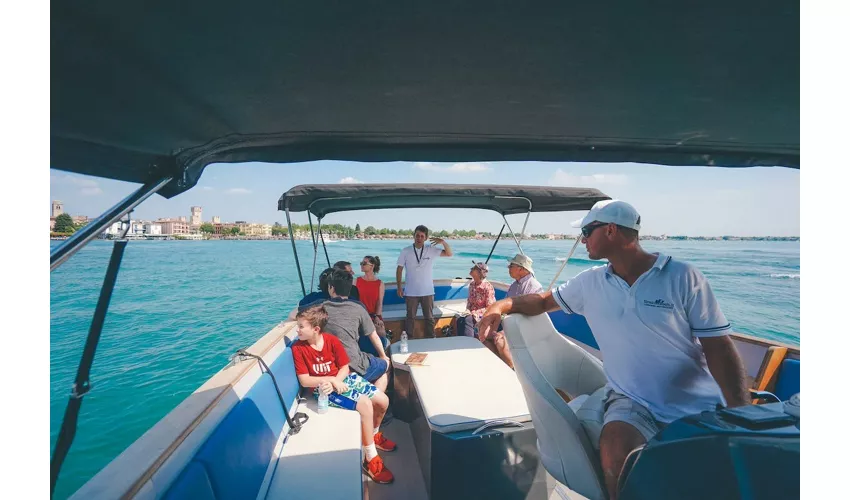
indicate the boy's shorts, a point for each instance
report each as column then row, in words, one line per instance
column 357, row 386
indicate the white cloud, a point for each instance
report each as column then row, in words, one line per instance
column 85, row 186
column 561, row 178
column 238, row 191
column 207, row 188
column 350, row 180
column 463, row 168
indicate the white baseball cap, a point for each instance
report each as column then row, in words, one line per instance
column 614, row 211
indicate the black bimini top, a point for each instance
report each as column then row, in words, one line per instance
column 140, row 90
column 323, row 199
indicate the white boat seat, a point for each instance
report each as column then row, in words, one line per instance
column 323, row 459
column 442, row 309
column 545, row 359
column 590, row 410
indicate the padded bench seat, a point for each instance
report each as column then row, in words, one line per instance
column 323, row 459
column 442, row 309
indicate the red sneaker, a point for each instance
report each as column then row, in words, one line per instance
column 383, row 443
column 375, row 469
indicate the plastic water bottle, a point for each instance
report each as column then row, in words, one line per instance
column 403, row 347
column 323, row 402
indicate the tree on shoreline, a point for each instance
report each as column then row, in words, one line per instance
column 64, row 224
column 207, row 227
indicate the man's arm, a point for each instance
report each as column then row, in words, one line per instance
column 726, row 367
column 529, row 305
column 398, row 271
column 379, row 347
column 447, row 250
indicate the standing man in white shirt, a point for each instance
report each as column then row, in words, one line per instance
column 662, row 334
column 417, row 261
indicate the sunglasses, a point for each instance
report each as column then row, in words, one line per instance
column 365, row 263
column 587, row 230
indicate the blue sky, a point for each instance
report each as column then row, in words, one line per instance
column 672, row 200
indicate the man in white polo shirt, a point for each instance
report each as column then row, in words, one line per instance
column 662, row 334
column 417, row 261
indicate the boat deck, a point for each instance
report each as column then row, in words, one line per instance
column 404, row 464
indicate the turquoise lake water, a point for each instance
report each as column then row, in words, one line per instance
column 181, row 308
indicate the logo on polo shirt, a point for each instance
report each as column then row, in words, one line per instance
column 658, row 303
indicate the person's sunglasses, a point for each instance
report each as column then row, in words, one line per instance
column 365, row 263
column 587, row 230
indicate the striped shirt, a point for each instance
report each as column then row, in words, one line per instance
column 648, row 333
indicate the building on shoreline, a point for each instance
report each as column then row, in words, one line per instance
column 171, row 226
column 57, row 208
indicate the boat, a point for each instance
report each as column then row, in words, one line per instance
column 154, row 94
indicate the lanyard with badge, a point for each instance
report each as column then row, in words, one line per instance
column 419, row 256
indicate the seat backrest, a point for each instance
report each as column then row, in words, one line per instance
column 544, row 359
column 788, row 382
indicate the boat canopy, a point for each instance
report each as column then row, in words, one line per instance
column 323, row 199
column 146, row 90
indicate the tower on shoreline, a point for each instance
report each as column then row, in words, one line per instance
column 56, row 208
column 196, row 216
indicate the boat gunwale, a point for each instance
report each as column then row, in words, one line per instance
column 139, row 483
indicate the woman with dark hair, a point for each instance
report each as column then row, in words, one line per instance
column 372, row 291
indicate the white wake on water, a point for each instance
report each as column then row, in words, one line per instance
column 786, row 276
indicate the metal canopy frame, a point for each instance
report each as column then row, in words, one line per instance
column 317, row 236
column 60, row 255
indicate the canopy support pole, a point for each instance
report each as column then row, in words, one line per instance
column 494, row 245
column 513, row 234
column 564, row 264
column 315, row 247
column 527, row 215
column 295, row 251
column 322, row 237
column 88, row 232
column 81, row 383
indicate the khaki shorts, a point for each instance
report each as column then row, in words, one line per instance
column 621, row 408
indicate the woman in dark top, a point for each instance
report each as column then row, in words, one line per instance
column 372, row 291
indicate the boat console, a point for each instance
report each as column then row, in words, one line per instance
column 469, row 421
column 749, row 453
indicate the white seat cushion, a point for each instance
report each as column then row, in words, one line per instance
column 442, row 309
column 590, row 411
column 327, row 442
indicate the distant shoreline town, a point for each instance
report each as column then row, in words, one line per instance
column 63, row 225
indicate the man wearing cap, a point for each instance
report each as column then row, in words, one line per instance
column 524, row 283
column 662, row 334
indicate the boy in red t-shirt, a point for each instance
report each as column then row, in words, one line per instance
column 321, row 363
